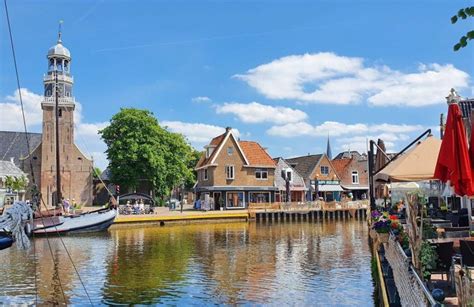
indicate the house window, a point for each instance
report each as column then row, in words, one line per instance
column 230, row 150
column 204, row 174
column 355, row 177
column 229, row 172
column 235, row 200
column 324, row 170
column 261, row 174
column 259, row 197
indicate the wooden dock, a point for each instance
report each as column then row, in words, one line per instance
column 310, row 212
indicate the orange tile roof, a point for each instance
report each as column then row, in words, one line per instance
column 340, row 165
column 255, row 154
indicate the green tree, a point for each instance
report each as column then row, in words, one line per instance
column 463, row 14
column 138, row 148
column 16, row 183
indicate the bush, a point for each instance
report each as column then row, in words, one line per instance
column 428, row 259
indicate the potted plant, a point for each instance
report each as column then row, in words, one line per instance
column 382, row 227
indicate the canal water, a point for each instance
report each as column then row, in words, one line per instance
column 197, row 264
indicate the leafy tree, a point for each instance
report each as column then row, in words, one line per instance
column 16, row 183
column 463, row 14
column 192, row 161
column 139, row 149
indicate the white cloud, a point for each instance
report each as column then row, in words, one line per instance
column 197, row 133
column 335, row 129
column 350, row 136
column 201, row 99
column 255, row 112
column 329, row 78
column 10, row 109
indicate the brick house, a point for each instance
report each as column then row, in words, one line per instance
column 297, row 186
column 233, row 173
column 319, row 176
column 352, row 169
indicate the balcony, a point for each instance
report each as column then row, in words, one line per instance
column 61, row 77
column 61, row 100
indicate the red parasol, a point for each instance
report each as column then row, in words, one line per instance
column 471, row 146
column 453, row 160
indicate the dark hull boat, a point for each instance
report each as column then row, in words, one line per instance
column 5, row 240
column 86, row 222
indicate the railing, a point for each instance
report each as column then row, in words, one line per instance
column 61, row 77
column 61, row 100
column 411, row 289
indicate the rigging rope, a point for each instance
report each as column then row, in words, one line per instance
column 32, row 171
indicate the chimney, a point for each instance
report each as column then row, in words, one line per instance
column 227, row 129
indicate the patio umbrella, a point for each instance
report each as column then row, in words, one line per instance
column 416, row 164
column 471, row 145
column 453, row 160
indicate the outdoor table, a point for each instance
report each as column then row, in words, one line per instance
column 454, row 240
column 439, row 221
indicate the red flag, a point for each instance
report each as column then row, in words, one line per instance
column 453, row 160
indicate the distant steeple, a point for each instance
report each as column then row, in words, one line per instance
column 328, row 150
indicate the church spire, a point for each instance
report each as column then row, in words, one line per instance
column 328, row 149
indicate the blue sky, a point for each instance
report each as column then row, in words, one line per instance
column 284, row 73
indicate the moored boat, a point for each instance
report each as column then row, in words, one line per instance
column 6, row 240
column 93, row 221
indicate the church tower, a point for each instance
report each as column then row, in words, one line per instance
column 75, row 168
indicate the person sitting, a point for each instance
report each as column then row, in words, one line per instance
column 66, row 206
column 136, row 208
column 141, row 206
column 128, row 208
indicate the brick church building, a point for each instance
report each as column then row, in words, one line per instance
column 75, row 167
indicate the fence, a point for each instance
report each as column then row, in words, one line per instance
column 411, row 288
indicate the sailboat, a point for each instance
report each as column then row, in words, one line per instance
column 45, row 222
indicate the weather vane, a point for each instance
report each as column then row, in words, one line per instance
column 59, row 31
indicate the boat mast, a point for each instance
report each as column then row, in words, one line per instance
column 58, row 167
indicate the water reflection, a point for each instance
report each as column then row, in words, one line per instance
column 234, row 263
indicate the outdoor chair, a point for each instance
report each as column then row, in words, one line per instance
column 464, row 220
column 467, row 252
column 121, row 209
column 445, row 253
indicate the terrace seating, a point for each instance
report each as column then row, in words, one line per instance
column 445, row 253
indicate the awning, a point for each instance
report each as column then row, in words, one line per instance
column 330, row 188
column 355, row 187
column 417, row 164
